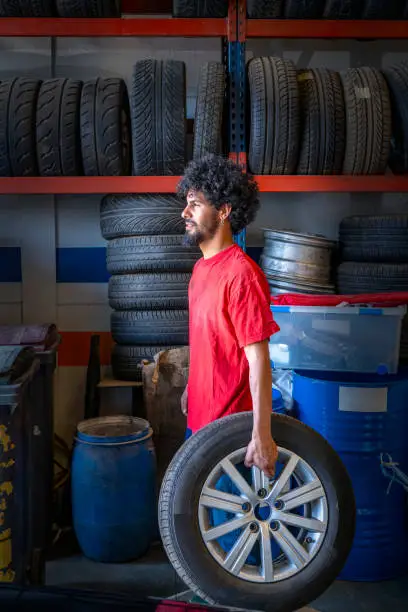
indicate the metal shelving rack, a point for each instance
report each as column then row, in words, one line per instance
column 234, row 31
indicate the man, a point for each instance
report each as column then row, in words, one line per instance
column 229, row 308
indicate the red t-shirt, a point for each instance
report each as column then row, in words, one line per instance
column 229, row 308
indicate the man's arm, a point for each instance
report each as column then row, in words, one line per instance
column 262, row 450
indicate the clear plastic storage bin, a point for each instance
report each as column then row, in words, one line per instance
column 342, row 339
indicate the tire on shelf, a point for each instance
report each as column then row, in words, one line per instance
column 381, row 9
column 354, row 277
column 397, row 81
column 141, row 215
column 88, row 8
column 198, row 556
column 368, row 121
column 343, row 9
column 323, row 122
column 303, row 9
column 374, row 238
column 105, row 128
column 127, row 361
column 158, row 105
column 264, row 9
column 18, row 102
column 274, row 116
column 37, row 8
column 158, row 327
column 150, row 254
column 57, row 129
column 197, row 8
column 209, row 110
column 164, row 291
column 10, row 8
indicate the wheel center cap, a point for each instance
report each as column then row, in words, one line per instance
column 262, row 511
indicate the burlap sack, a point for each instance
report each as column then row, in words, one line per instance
column 164, row 381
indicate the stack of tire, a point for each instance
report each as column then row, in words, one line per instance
column 150, row 270
column 63, row 127
column 297, row 263
column 374, row 255
column 299, row 123
column 60, row 8
column 149, row 264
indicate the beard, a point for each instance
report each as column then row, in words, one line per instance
column 201, row 233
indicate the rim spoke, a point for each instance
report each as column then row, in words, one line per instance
column 302, row 495
column 266, row 553
column 300, row 521
column 259, row 480
column 216, row 532
column 291, row 547
column 237, row 479
column 239, row 552
column 284, row 477
column 212, row 498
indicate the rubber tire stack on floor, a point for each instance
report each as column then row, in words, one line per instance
column 150, row 270
column 374, row 254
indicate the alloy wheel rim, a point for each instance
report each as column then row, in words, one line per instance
column 265, row 517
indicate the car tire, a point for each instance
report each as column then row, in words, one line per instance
column 150, row 254
column 274, row 116
column 156, row 327
column 323, row 122
column 141, row 215
column 209, row 110
column 368, row 121
column 167, row 291
column 190, row 487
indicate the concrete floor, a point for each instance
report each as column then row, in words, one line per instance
column 153, row 576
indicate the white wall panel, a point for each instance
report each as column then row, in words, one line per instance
column 69, row 294
column 78, row 221
column 11, row 314
column 84, row 318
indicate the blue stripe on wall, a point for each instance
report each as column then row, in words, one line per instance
column 10, row 265
column 82, row 265
column 74, row 265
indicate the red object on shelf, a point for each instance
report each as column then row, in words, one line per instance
column 388, row 183
column 89, row 184
column 323, row 28
column 163, row 26
column 373, row 299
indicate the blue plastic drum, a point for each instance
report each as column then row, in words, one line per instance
column 362, row 417
column 114, row 488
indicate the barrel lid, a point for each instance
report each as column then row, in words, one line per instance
column 112, row 429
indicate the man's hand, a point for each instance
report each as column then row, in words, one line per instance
column 262, row 452
column 184, row 401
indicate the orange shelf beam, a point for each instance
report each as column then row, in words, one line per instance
column 322, row 28
column 334, row 184
column 168, row 184
column 89, row 184
column 164, row 26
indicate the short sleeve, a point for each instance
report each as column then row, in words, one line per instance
column 250, row 311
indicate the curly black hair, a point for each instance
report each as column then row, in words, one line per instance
column 223, row 182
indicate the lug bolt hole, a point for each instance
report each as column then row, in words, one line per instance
column 254, row 528
column 262, row 493
column 274, row 526
column 246, row 507
column 278, row 505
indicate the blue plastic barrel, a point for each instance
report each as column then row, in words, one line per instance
column 363, row 416
column 114, row 488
